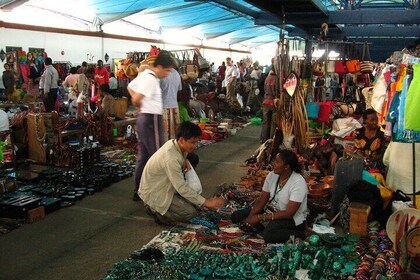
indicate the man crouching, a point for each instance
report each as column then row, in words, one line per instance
column 168, row 197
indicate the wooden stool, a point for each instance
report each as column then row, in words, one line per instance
column 359, row 214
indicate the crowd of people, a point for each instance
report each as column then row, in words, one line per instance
column 165, row 101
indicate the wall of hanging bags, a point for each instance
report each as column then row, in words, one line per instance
column 337, row 84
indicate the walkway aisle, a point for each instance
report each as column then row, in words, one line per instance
column 83, row 241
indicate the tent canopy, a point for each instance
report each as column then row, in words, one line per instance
column 389, row 24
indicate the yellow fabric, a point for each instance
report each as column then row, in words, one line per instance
column 386, row 193
column 401, row 76
column 417, row 200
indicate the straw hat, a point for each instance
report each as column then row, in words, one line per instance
column 399, row 220
column 413, row 241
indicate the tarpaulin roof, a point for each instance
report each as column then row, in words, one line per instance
column 201, row 19
column 388, row 24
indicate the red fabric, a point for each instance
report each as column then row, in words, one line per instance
column 324, row 111
column 24, row 70
column 101, row 76
column 340, row 67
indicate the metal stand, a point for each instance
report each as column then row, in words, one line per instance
column 414, row 173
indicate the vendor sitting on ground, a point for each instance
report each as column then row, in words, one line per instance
column 163, row 188
column 369, row 140
column 281, row 207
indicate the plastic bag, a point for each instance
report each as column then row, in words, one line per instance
column 192, row 180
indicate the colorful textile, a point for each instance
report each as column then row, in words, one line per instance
column 412, row 106
column 170, row 122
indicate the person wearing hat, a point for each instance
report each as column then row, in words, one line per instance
column 146, row 95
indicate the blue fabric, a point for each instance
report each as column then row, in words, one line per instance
column 366, row 176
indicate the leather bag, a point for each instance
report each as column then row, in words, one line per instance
column 366, row 66
column 353, row 65
column 318, row 69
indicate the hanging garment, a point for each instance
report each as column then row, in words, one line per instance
column 398, row 157
column 412, row 106
column 380, row 91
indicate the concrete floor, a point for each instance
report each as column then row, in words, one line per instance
column 85, row 240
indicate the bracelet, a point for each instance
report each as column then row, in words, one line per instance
column 272, row 216
column 264, row 217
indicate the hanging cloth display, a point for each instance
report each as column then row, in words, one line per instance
column 412, row 105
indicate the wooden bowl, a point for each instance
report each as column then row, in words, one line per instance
column 328, row 179
column 320, row 190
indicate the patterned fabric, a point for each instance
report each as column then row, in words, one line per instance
column 369, row 146
column 170, row 122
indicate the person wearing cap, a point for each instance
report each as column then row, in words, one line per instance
column 146, row 95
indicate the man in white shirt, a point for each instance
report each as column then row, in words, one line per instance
column 168, row 197
column 146, row 95
column 113, row 85
column 230, row 79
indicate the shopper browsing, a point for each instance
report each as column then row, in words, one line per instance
column 101, row 74
column 170, row 86
column 282, row 205
column 146, row 95
column 230, row 79
column 167, row 195
column 50, row 85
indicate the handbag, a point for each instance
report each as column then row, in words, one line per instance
column 366, row 66
column 312, row 108
column 353, row 65
column 330, row 66
column 200, row 60
column 318, row 69
column 325, row 109
column 340, row 65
